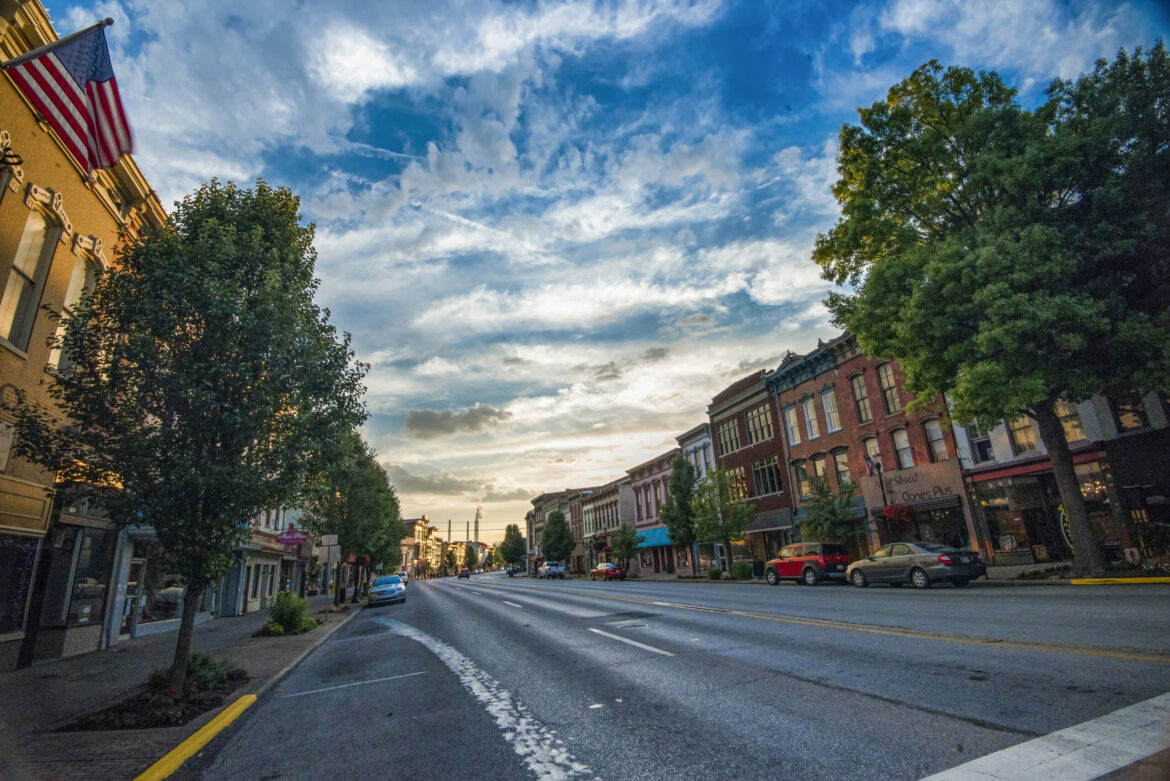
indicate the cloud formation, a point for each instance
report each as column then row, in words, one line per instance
column 429, row 423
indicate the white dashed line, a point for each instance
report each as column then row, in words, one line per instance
column 643, row 646
column 358, row 683
column 513, row 604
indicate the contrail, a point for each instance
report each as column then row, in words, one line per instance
column 535, row 252
column 365, row 150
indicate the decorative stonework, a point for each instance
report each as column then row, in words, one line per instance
column 45, row 200
column 16, row 181
column 91, row 246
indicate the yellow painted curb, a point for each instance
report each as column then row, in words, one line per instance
column 185, row 750
column 1115, row 581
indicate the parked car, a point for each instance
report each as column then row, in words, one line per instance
column 404, row 577
column 464, row 572
column 386, row 588
column 607, row 572
column 808, row 563
column 551, row 569
column 919, row 563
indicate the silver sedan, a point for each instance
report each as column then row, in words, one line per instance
column 387, row 588
column 919, row 563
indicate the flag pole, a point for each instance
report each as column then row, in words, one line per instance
column 48, row 47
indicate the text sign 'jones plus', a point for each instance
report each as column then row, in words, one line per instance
column 291, row 537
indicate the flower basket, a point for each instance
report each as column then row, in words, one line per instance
column 904, row 514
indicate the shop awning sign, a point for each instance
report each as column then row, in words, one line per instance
column 291, row 537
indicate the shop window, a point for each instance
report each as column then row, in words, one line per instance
column 902, row 448
column 800, row 477
column 759, row 424
column 793, row 425
column 738, row 481
column 935, row 441
column 810, row 418
column 1129, row 411
column 1022, row 435
column 861, row 398
column 23, row 289
column 766, row 476
column 80, row 283
column 832, row 416
column 841, row 465
column 980, row 439
column 889, row 387
column 728, row 437
column 91, row 577
column 18, row 555
column 1070, row 420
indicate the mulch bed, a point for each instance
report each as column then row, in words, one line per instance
column 154, row 709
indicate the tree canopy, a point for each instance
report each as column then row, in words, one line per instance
column 721, row 514
column 624, row 543
column 471, row 557
column 677, row 511
column 833, row 517
column 1012, row 259
column 513, row 548
column 557, row 543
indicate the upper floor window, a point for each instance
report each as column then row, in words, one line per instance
column 902, row 448
column 728, row 437
column 980, row 438
column 873, row 454
column 766, row 476
column 657, row 500
column 638, row 504
column 889, row 387
column 841, row 465
column 810, row 418
column 22, row 293
column 820, row 467
column 793, row 426
column 1129, row 411
column 1022, row 435
column 861, row 398
column 759, row 424
column 803, row 483
column 1070, row 420
column 832, row 416
column 739, row 489
column 80, row 283
column 935, row 441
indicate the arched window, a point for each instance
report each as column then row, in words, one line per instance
column 26, row 280
column 81, row 282
column 935, row 441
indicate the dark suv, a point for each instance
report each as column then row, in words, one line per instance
column 808, row 563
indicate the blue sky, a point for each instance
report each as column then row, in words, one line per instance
column 555, row 229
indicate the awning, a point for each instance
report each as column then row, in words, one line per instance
column 655, row 537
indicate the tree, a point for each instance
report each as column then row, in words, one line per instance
column 720, row 512
column 200, row 382
column 624, row 544
column 449, row 559
column 471, row 557
column 1013, row 260
column 832, row 517
column 677, row 511
column 557, row 543
column 514, row 547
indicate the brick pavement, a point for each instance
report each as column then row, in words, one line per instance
column 40, row 698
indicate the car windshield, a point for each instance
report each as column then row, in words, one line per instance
column 387, row 580
column 932, row 547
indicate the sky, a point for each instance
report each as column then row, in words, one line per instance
column 555, row 229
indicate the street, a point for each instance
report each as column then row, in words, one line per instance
column 517, row 678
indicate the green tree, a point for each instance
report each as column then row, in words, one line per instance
column 450, row 560
column 557, row 543
column 678, row 511
column 471, row 557
column 513, row 548
column 720, row 512
column 624, row 544
column 203, row 384
column 833, row 517
column 1014, row 260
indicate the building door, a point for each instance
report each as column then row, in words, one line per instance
column 247, row 583
column 134, row 590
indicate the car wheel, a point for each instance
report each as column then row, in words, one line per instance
column 961, row 582
column 773, row 578
column 919, row 578
column 811, row 578
column 858, row 578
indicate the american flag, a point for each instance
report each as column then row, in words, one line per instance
column 71, row 84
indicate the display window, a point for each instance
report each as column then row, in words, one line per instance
column 18, row 556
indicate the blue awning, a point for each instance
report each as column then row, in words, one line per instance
column 655, row 537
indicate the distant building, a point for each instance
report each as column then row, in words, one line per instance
column 648, row 481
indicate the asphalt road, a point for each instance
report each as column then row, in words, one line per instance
column 515, row 678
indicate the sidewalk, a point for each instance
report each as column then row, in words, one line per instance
column 48, row 695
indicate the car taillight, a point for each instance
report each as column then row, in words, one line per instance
column 945, row 558
column 821, row 561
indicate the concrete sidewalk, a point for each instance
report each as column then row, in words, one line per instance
column 48, row 695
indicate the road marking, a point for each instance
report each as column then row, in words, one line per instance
column 643, row 646
column 477, row 593
column 358, row 683
column 513, row 604
column 175, row 758
column 536, row 744
column 1079, row 753
column 916, row 634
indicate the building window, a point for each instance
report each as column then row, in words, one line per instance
column 1070, row 420
column 980, row 439
column 873, row 455
column 935, row 441
column 810, row 418
column 657, row 500
column 793, row 426
column 728, row 437
column 820, row 467
column 832, row 416
column 766, row 476
column 17, row 555
column 841, row 465
column 800, row 476
column 1021, row 433
column 1129, row 411
column 861, row 398
column 80, row 283
column 889, row 387
column 902, row 448
column 638, row 504
column 22, row 293
column 759, row 424
column 738, row 483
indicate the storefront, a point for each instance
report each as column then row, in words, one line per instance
column 925, row 503
column 655, row 553
column 24, row 512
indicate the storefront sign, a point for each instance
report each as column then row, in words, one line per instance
column 909, row 486
column 291, row 537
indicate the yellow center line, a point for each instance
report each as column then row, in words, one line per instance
column 917, row 634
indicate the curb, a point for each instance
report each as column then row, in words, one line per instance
column 274, row 679
column 1116, row 581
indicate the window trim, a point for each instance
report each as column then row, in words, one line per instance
column 801, row 479
column 858, row 379
column 1011, row 432
column 890, row 393
column 834, row 455
column 935, row 458
column 831, row 393
column 792, row 427
column 898, row 451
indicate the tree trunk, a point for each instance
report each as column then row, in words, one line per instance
column 727, row 552
column 1087, row 556
column 178, row 671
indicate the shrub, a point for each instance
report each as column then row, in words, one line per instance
column 741, row 570
column 273, row 629
column 289, row 611
column 204, row 671
column 715, row 573
column 308, row 624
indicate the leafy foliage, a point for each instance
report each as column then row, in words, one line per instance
column 624, row 543
column 513, row 548
column 471, row 557
column 741, row 570
column 557, row 543
column 831, row 517
column 288, row 611
column 449, row 560
column 718, row 514
column 678, row 510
